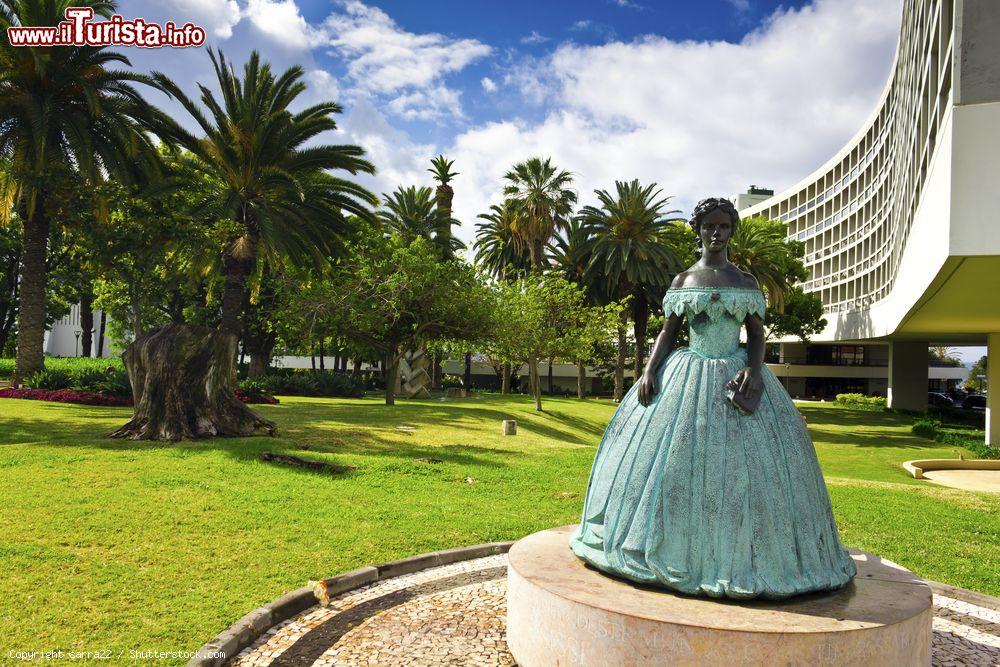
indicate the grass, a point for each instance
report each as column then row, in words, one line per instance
column 135, row 546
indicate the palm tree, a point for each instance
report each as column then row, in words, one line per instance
column 277, row 200
column 257, row 172
column 444, row 194
column 570, row 252
column 498, row 250
column 412, row 212
column 540, row 192
column 760, row 247
column 502, row 255
column 64, row 112
column 632, row 254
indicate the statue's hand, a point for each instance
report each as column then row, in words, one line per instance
column 647, row 388
column 747, row 382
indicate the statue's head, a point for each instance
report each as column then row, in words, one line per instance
column 714, row 222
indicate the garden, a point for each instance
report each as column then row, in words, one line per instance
column 119, row 544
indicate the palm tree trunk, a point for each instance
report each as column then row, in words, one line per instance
column 86, row 323
column 620, row 361
column 31, row 309
column 536, row 251
column 238, row 261
column 100, row 335
column 640, row 317
column 581, row 380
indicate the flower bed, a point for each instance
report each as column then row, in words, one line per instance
column 95, row 398
column 65, row 396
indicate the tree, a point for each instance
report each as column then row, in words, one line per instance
column 977, row 374
column 444, row 194
column 942, row 355
column 391, row 296
column 498, row 250
column 10, row 259
column 412, row 213
column 539, row 191
column 60, row 108
column 802, row 317
column 542, row 318
column 760, row 247
column 258, row 170
column 570, row 253
column 632, row 252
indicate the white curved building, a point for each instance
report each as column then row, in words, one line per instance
column 902, row 225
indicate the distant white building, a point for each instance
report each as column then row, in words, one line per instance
column 64, row 338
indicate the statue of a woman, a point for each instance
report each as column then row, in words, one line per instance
column 706, row 481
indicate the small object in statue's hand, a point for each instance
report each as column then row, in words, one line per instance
column 741, row 401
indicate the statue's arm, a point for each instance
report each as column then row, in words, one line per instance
column 755, row 343
column 661, row 350
column 749, row 380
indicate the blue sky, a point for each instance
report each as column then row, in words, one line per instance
column 702, row 97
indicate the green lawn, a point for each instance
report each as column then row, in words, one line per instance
column 119, row 545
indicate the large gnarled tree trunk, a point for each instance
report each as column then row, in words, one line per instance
column 182, row 385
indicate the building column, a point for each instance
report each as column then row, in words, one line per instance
column 993, row 390
column 908, row 375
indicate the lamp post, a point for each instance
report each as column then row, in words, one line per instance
column 78, row 332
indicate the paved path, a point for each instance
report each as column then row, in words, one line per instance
column 969, row 480
column 454, row 615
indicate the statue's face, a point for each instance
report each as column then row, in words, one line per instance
column 715, row 230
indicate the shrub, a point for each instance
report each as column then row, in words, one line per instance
column 861, row 402
column 925, row 428
column 305, row 383
column 51, row 379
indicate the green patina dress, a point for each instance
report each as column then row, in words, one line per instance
column 690, row 494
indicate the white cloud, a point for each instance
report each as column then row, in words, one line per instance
column 217, row 16
column 699, row 118
column 628, row 4
column 740, row 5
column 399, row 160
column 282, row 21
column 384, row 59
column 488, row 84
column 534, row 37
column 322, row 86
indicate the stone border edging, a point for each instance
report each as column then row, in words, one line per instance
column 245, row 631
column 918, row 467
column 965, row 595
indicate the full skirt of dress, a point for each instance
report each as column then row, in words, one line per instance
column 693, row 495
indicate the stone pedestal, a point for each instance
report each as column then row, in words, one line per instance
column 562, row 612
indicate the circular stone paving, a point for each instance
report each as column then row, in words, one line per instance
column 455, row 615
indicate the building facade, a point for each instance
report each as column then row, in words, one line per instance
column 902, row 226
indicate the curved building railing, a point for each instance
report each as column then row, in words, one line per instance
column 854, row 213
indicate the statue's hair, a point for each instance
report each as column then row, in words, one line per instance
column 706, row 206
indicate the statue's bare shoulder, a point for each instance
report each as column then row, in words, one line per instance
column 750, row 281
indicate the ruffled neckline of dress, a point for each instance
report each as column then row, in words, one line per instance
column 737, row 301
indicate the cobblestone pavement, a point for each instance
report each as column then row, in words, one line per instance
column 454, row 615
